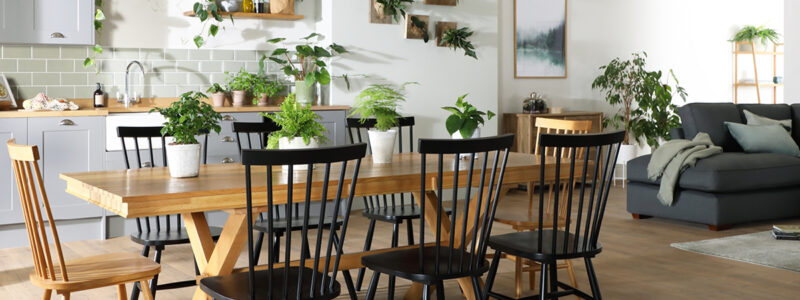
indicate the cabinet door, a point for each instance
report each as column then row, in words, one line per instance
column 222, row 146
column 61, row 22
column 10, row 212
column 333, row 120
column 68, row 145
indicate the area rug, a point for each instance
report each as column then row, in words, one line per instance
column 758, row 248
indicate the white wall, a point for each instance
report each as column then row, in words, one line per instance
column 792, row 50
column 688, row 36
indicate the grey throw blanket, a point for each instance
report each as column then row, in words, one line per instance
column 675, row 156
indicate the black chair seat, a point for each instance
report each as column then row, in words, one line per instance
column 524, row 244
column 280, row 225
column 405, row 264
column 394, row 214
column 172, row 237
column 237, row 285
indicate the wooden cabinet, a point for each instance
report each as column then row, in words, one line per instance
column 523, row 126
column 10, row 211
column 60, row 22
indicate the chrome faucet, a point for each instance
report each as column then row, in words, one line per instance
column 128, row 98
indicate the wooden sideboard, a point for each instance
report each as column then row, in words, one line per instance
column 522, row 125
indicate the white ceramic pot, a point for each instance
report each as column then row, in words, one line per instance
column 304, row 94
column 382, row 145
column 183, row 160
column 238, row 98
column 218, row 99
column 626, row 153
column 296, row 143
column 457, row 136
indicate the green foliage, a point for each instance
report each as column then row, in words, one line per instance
column 752, row 33
column 459, row 38
column 295, row 120
column 187, row 117
column 216, row 88
column 267, row 87
column 395, row 8
column 380, row 101
column 310, row 57
column 465, row 117
column 422, row 26
column 241, row 81
column 646, row 109
column 99, row 17
column 209, row 15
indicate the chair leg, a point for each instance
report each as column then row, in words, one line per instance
column 257, row 247
column 571, row 272
column 410, row 230
column 532, row 275
column 47, row 294
column 492, row 273
column 148, row 294
column 373, row 286
column 518, row 277
column 592, row 279
column 426, row 292
column 276, row 247
column 136, row 288
column 367, row 246
column 122, row 294
column 65, row 296
column 395, row 232
column 553, row 279
column 543, row 283
column 351, row 289
column 440, row 290
column 154, row 283
column 477, row 287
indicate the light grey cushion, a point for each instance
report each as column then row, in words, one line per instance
column 763, row 138
column 754, row 119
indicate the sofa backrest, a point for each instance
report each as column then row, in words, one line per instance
column 795, row 109
column 710, row 118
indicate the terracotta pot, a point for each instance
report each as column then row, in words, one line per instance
column 262, row 101
column 218, row 99
column 238, row 98
column 284, row 7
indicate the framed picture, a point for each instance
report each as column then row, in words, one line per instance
column 5, row 91
column 540, row 35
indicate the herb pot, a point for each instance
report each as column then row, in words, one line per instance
column 457, row 136
column 262, row 101
column 303, row 93
column 218, row 99
column 238, row 98
column 284, row 7
column 183, row 160
column 296, row 143
column 382, row 145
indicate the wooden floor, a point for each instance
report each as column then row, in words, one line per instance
column 636, row 263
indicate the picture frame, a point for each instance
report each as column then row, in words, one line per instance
column 6, row 95
column 540, row 39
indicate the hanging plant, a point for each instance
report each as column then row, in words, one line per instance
column 459, row 38
column 99, row 17
column 202, row 10
column 394, row 8
column 422, row 26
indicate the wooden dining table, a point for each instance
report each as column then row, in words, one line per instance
column 148, row 192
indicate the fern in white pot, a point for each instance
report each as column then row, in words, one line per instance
column 381, row 101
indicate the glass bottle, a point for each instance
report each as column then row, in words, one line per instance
column 99, row 97
column 247, row 6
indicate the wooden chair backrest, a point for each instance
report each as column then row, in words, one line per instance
column 26, row 170
column 558, row 126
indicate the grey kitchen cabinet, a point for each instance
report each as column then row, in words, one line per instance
column 67, row 145
column 59, row 22
column 334, row 122
column 10, row 212
column 222, row 146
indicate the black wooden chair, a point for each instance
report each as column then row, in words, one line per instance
column 156, row 232
column 586, row 202
column 461, row 253
column 299, row 282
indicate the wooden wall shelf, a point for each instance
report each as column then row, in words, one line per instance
column 244, row 15
column 760, row 84
column 752, row 52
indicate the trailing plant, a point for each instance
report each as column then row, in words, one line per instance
column 216, row 88
column 203, row 10
column 459, row 38
column 241, row 81
column 395, row 8
column 465, row 118
column 295, row 120
column 187, row 117
column 647, row 111
column 380, row 101
column 267, row 87
column 310, row 57
column 752, row 33
column 99, row 17
column 422, row 26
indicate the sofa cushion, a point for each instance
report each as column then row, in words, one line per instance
column 772, row 111
column 709, row 118
column 730, row 172
column 755, row 119
column 795, row 109
column 763, row 138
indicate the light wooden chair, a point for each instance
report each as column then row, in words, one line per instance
column 526, row 221
column 65, row 277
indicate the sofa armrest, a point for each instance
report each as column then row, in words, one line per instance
column 677, row 133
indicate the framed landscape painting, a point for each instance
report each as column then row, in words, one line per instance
column 540, row 35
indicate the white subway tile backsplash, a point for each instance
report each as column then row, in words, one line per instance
column 13, row 51
column 176, row 54
column 126, row 54
column 19, row 79
column 210, row 66
column 61, row 92
column 48, row 79
column 175, row 78
column 222, row 55
column 29, row 65
column 8, row 65
column 74, row 79
column 46, row 52
column 199, row 54
column 74, row 52
column 57, row 65
column 233, row 66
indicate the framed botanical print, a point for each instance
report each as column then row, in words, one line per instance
column 5, row 91
column 540, row 38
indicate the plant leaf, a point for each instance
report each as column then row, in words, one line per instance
column 313, row 34
column 279, row 51
column 338, row 49
column 88, row 62
column 276, row 40
column 324, row 77
column 453, row 124
column 212, row 30
column 198, row 41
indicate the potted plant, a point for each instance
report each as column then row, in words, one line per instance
column 240, row 84
column 308, row 68
column 300, row 126
column 647, row 112
column 380, row 101
column 394, row 8
column 264, row 89
column 186, row 118
column 750, row 34
column 284, row 7
column 218, row 94
column 465, row 119
column 459, row 38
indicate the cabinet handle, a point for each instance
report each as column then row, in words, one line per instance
column 56, row 35
column 227, row 118
column 227, row 139
column 227, row 160
column 66, row 122
column 147, row 164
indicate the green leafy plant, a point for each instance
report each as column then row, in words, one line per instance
column 310, row 57
column 203, row 10
column 187, row 117
column 295, row 120
column 465, row 118
column 267, row 87
column 752, row 33
column 459, row 38
column 241, row 81
column 216, row 88
column 422, row 26
column 647, row 111
column 380, row 101
column 99, row 17
column 395, row 8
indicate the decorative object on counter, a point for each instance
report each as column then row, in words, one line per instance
column 187, row 118
column 534, row 104
column 465, row 119
column 99, row 97
column 750, row 34
column 5, row 92
column 312, row 64
column 777, row 79
column 43, row 103
column 300, row 128
column 440, row 28
column 540, row 35
column 417, row 27
column 459, row 38
column 218, row 94
column 380, row 101
column 240, row 84
column 264, row 89
column 230, row 5
column 646, row 110
column 203, row 9
column 283, row 7
column 260, row 7
column 248, row 6
column 99, row 17
column 556, row 110
column 442, row 2
column 391, row 8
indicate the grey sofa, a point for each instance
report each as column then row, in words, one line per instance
column 731, row 187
